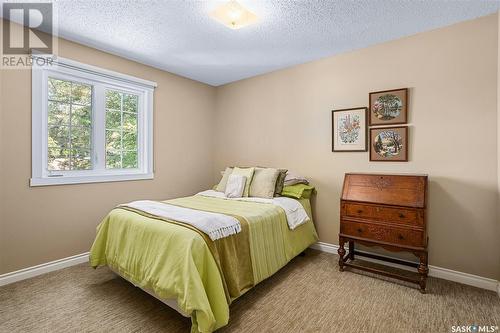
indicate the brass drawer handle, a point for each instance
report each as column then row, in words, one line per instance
column 401, row 236
column 360, row 230
column 360, row 211
column 401, row 215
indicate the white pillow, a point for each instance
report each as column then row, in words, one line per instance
column 235, row 186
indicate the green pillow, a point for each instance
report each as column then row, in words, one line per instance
column 298, row 191
column 221, row 187
column 248, row 173
column 280, row 182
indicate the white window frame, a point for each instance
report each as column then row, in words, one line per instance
column 100, row 79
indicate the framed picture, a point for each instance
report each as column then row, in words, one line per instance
column 389, row 144
column 389, row 107
column 349, row 130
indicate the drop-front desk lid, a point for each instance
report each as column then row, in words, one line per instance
column 407, row 190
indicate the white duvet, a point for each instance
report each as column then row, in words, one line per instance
column 295, row 213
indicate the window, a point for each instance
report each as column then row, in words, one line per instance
column 90, row 125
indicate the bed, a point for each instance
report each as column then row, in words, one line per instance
column 180, row 265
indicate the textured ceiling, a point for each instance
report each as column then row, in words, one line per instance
column 180, row 37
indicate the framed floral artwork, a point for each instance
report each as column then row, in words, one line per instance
column 388, row 107
column 349, row 130
column 389, row 144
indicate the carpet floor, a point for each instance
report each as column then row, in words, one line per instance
column 308, row 295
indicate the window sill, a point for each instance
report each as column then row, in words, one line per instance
column 67, row 180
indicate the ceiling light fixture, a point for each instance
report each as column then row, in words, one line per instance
column 233, row 15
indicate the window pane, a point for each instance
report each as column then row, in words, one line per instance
column 113, row 160
column 113, row 100
column 70, row 125
column 113, row 119
column 129, row 122
column 129, row 140
column 58, row 159
column 113, row 141
column 58, row 113
column 130, row 103
column 58, row 136
column 59, row 90
column 129, row 159
column 81, row 116
column 80, row 159
column 80, row 137
column 121, row 130
column 81, row 93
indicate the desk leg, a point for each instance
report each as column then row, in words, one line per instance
column 351, row 250
column 341, row 252
column 423, row 270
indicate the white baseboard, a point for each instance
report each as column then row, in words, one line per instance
column 55, row 265
column 439, row 272
column 434, row 271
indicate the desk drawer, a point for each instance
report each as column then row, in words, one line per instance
column 399, row 236
column 395, row 215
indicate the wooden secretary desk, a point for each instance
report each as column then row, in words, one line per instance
column 387, row 211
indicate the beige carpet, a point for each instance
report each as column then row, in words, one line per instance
column 308, row 295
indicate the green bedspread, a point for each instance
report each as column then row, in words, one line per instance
column 176, row 261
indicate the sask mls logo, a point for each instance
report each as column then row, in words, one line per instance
column 22, row 34
column 474, row 329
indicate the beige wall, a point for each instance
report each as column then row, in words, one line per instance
column 47, row 223
column 283, row 119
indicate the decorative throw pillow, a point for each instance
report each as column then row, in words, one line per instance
column 221, row 187
column 280, row 182
column 264, row 183
column 235, row 186
column 292, row 179
column 248, row 173
column 298, row 191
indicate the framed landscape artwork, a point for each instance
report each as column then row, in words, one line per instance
column 349, row 130
column 388, row 107
column 389, row 144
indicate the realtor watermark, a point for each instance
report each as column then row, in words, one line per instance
column 28, row 32
column 474, row 328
